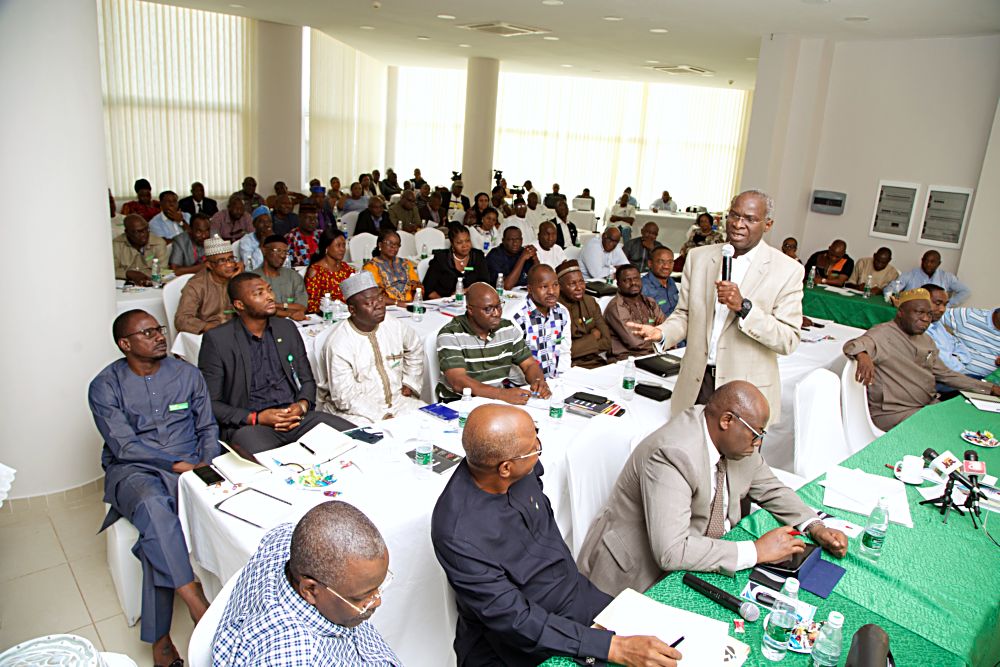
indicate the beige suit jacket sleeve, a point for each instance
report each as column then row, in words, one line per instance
column 770, row 493
column 780, row 328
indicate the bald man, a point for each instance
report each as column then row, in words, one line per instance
column 640, row 251
column 545, row 322
column 520, row 597
column 306, row 595
column 680, row 492
column 930, row 271
column 833, row 265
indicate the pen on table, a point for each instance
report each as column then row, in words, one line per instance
column 890, row 466
column 307, row 448
column 678, row 642
column 795, row 533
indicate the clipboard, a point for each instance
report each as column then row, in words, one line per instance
column 263, row 504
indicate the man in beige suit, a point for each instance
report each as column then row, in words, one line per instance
column 680, row 492
column 734, row 328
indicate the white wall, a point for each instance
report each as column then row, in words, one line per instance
column 978, row 264
column 278, row 100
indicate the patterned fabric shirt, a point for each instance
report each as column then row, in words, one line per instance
column 488, row 361
column 974, row 327
column 302, row 246
column 548, row 337
column 266, row 622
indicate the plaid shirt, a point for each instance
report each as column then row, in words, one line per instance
column 548, row 338
column 266, row 622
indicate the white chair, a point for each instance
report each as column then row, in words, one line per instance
column 350, row 221
column 407, row 245
column 171, row 298
column 126, row 570
column 431, row 237
column 593, row 463
column 789, row 479
column 573, row 252
column 393, row 199
column 361, row 247
column 432, row 371
column 819, row 428
column 200, row 646
column 859, row 430
column 422, row 268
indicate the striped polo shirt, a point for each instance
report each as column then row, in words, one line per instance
column 974, row 327
column 487, row 361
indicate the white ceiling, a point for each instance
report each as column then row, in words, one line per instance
column 721, row 35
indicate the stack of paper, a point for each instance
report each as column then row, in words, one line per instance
column 984, row 402
column 859, row 492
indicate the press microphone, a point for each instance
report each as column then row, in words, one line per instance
column 972, row 458
column 951, row 471
column 748, row 610
column 727, row 261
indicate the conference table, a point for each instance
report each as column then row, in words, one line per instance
column 847, row 307
column 935, row 588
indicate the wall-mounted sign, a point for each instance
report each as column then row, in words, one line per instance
column 894, row 210
column 945, row 216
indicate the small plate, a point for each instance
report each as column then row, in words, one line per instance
column 803, row 636
column 981, row 439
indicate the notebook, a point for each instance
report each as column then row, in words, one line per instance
column 664, row 365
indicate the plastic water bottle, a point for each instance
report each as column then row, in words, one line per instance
column 826, row 649
column 418, row 305
column 423, row 251
column 459, row 292
column 464, row 407
column 157, row 278
column 610, row 280
column 557, row 406
column 326, row 309
column 779, row 623
column 500, row 285
column 873, row 539
column 868, row 287
column 811, row 280
column 340, row 311
column 628, row 380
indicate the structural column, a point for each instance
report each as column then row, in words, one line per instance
column 391, row 96
column 278, row 81
column 480, row 124
column 60, row 296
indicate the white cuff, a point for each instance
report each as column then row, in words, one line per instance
column 746, row 555
column 804, row 526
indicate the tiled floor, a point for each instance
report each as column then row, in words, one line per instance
column 54, row 578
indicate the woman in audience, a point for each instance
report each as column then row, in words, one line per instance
column 485, row 233
column 357, row 201
column 702, row 234
column 327, row 269
column 367, row 188
column 395, row 276
column 460, row 260
column 481, row 203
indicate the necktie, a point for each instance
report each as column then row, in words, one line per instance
column 717, row 518
column 197, row 207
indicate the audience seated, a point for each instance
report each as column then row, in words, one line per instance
column 877, row 267
column 497, row 201
column 418, row 180
column 404, row 214
column 790, row 247
column 335, row 197
column 554, row 197
column 368, row 185
column 485, row 232
column 511, row 259
column 248, row 194
column 456, row 200
column 390, row 185
column 303, row 241
column 480, row 203
column 545, row 322
column 703, row 233
column 520, row 596
column 565, row 230
column 680, row 492
column 144, row 204
column 622, row 213
column 279, row 613
column 282, row 218
column 327, row 270
column 325, row 218
column 590, row 334
column 930, row 271
column 288, row 286
column 517, row 218
column 979, row 329
column 459, row 260
column 369, row 368
column 424, row 194
column 549, row 252
column 952, row 351
column 433, row 213
column 187, row 251
column 586, row 195
column 664, row 203
column 197, row 202
column 155, row 416
column 281, row 190
column 247, row 249
column 630, row 305
column 135, row 249
column 631, row 200
column 602, row 255
column 395, row 276
column 534, row 213
column 477, row 350
column 358, row 201
column 234, row 222
column 204, row 302
column 272, row 405
column 657, row 283
column 899, row 363
column 833, row 265
column 170, row 221
column 640, row 250
column 374, row 220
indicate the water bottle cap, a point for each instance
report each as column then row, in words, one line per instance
column 792, row 585
column 467, row 392
column 836, row 619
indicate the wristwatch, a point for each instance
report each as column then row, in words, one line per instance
column 745, row 308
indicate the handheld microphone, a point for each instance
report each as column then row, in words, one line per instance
column 748, row 610
column 727, row 261
column 970, row 455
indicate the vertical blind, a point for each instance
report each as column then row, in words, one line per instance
column 178, row 96
column 430, row 117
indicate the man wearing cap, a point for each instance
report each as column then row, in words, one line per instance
column 258, row 375
column 170, row 221
column 288, row 286
column 247, row 249
column 370, row 368
column 899, row 363
column 248, row 194
column 588, row 328
column 144, row 204
column 204, row 304
column 456, row 200
column 234, row 222
column 630, row 305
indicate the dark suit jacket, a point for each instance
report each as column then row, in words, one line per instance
column 224, row 360
column 365, row 225
column 425, row 214
column 208, row 206
column 466, row 204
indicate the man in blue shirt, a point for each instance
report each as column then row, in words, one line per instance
column 520, row 595
column 657, row 283
column 979, row 329
column 951, row 350
column 511, row 259
column 930, row 272
column 155, row 416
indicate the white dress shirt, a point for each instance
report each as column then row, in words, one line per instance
column 746, row 551
column 740, row 266
column 553, row 257
column 528, row 235
column 661, row 205
column 596, row 264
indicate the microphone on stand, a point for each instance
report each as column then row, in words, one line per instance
column 972, row 458
column 930, row 455
column 727, row 261
column 748, row 610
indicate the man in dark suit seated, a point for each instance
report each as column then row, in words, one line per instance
column 554, row 197
column 373, row 219
column 258, row 376
column 198, row 202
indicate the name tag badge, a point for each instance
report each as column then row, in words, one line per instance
column 661, row 302
column 468, row 268
column 174, row 407
column 651, row 320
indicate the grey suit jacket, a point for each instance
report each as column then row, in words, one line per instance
column 746, row 351
column 656, row 516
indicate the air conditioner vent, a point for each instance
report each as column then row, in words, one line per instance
column 504, row 29
column 684, row 69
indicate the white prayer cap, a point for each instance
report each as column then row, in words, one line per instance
column 359, row 282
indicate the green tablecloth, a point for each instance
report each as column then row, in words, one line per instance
column 854, row 311
column 994, row 377
column 936, row 588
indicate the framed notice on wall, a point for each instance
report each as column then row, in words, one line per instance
column 945, row 216
column 895, row 207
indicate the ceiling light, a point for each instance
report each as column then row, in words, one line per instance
column 367, row 27
column 652, row 62
column 550, row 38
column 658, row 31
column 856, row 19
column 751, row 59
column 236, row 6
column 553, row 3
column 446, row 17
column 613, row 18
column 423, row 38
column 566, row 65
column 465, row 46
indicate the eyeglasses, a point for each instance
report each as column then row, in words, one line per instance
column 495, row 309
column 371, row 601
column 537, row 452
column 733, row 216
column 276, row 251
column 148, row 333
column 758, row 438
column 223, row 260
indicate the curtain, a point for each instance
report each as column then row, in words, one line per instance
column 430, row 117
column 177, row 94
column 346, row 111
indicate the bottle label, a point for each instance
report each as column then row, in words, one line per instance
column 872, row 541
column 628, row 383
column 459, row 297
column 461, row 420
column 424, row 458
column 555, row 412
column 419, row 310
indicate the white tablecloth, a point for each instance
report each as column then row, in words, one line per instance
column 673, row 227
column 149, row 299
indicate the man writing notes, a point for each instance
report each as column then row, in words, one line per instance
column 736, row 328
column 155, row 416
column 520, row 596
column 680, row 492
column 370, row 367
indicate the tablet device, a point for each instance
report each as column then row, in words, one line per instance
column 791, row 566
column 208, row 475
column 441, row 411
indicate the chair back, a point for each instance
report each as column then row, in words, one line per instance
column 432, row 371
column 573, row 252
column 350, row 221
column 432, row 237
column 407, row 245
column 582, row 204
column 361, row 247
column 422, row 268
column 456, row 215
column 819, row 427
column 171, row 298
column 200, row 646
column 859, row 430
column 394, row 198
